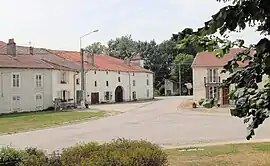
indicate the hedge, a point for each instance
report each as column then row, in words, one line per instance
column 120, row 152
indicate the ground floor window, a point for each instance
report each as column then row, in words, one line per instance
column 212, row 92
column 108, row 96
column 64, row 95
column 147, row 93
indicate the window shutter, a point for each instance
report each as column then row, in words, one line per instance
column 67, row 77
column 68, row 94
column 105, row 96
column 207, row 92
column 110, row 95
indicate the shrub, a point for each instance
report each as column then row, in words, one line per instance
column 120, row 152
column 210, row 103
column 201, row 101
column 10, row 156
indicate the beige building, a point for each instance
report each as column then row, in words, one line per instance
column 207, row 76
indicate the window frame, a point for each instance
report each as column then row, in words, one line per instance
column 41, row 81
column 19, row 82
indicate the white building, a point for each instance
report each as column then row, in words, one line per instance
column 29, row 83
column 109, row 79
column 31, row 78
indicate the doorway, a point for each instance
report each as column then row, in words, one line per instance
column 225, row 96
column 95, row 98
column 119, row 94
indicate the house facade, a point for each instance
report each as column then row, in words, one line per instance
column 110, row 80
column 30, row 83
column 207, row 76
column 32, row 78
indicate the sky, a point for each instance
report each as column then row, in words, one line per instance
column 58, row 24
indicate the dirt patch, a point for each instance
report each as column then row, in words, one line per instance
column 186, row 103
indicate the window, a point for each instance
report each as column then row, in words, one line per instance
column 212, row 75
column 119, row 72
column 147, row 75
column 15, row 80
column 78, row 81
column 95, row 83
column 119, row 79
column 107, row 72
column 38, row 97
column 108, row 96
column 134, row 83
column 147, row 93
column 213, row 92
column 107, row 83
column 133, row 74
column 134, row 95
column 147, row 82
column 16, row 99
column 63, row 78
column 95, row 72
column 39, row 82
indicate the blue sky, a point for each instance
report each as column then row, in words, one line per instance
column 58, row 24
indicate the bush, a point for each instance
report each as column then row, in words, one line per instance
column 35, row 157
column 201, row 101
column 120, row 152
column 209, row 103
column 10, row 156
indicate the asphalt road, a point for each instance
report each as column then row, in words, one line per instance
column 159, row 122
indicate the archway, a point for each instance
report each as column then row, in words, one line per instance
column 119, row 94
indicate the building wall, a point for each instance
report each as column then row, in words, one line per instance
column 27, row 89
column 70, row 86
column 126, row 82
column 199, row 90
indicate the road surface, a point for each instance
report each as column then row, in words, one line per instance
column 159, row 122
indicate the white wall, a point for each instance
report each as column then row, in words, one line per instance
column 27, row 90
column 69, row 86
column 126, row 80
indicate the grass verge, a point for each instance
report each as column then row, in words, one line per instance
column 253, row 154
column 12, row 123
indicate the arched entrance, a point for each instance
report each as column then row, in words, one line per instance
column 119, row 94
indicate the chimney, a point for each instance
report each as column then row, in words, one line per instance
column 31, row 50
column 91, row 59
column 11, row 47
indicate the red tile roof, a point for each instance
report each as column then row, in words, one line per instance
column 208, row 59
column 102, row 62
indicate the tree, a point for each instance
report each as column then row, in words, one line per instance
column 122, row 47
column 183, row 62
column 251, row 101
column 96, row 48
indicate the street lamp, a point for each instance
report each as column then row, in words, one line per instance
column 83, row 90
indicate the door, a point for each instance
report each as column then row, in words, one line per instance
column 119, row 94
column 95, row 98
column 39, row 102
column 225, row 96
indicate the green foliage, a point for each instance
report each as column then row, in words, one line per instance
column 10, row 156
column 122, row 47
column 209, row 103
column 118, row 152
column 251, row 101
column 97, row 48
column 35, row 157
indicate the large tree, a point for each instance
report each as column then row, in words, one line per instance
column 122, row 47
column 251, row 101
column 97, row 48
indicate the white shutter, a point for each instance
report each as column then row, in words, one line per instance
column 68, row 95
column 110, row 96
column 105, row 96
column 58, row 94
column 67, row 77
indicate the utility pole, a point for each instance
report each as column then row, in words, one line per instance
column 83, row 90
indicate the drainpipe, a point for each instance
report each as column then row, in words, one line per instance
column 74, row 88
column 2, row 93
column 129, row 82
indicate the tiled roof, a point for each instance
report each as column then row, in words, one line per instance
column 23, row 61
column 102, row 62
column 2, row 43
column 208, row 59
column 41, row 59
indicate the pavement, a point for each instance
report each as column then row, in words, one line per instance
column 160, row 121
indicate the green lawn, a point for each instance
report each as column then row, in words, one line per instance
column 253, row 154
column 28, row 121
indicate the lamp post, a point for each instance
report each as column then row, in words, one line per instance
column 83, row 90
